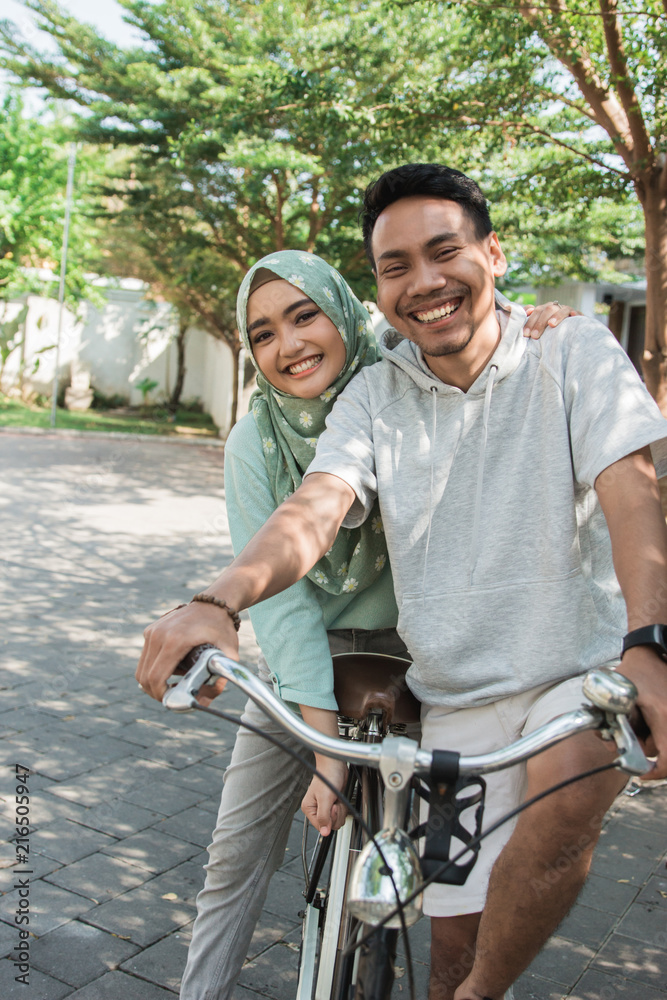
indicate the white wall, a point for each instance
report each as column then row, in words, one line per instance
column 580, row 295
column 128, row 339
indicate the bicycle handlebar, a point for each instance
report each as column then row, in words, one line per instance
column 612, row 694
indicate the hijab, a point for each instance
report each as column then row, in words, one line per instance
column 290, row 427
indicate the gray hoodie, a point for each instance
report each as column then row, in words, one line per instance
column 500, row 551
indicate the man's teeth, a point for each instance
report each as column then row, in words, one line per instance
column 303, row 366
column 446, row 310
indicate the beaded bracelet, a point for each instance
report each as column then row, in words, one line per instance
column 209, row 599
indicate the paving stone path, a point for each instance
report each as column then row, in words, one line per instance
column 99, row 537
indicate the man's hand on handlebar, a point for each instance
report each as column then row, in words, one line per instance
column 168, row 640
column 320, row 806
column 648, row 672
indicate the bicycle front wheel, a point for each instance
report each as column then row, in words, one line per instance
column 377, row 960
column 366, row 973
column 374, row 976
column 326, row 972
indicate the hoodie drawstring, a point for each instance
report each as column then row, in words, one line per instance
column 434, row 394
column 480, row 471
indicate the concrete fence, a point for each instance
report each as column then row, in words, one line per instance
column 117, row 346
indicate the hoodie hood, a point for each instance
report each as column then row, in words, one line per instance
column 504, row 360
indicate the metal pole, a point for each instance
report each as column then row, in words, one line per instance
column 63, row 272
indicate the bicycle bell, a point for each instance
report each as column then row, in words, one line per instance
column 372, row 895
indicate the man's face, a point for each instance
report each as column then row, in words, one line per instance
column 436, row 278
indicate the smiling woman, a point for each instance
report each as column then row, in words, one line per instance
column 308, row 335
column 296, row 346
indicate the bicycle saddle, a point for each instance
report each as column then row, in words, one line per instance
column 367, row 681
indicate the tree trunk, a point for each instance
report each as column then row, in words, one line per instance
column 652, row 191
column 175, row 397
column 236, row 350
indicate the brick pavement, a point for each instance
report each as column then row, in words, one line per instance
column 99, row 537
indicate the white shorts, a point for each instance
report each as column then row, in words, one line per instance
column 480, row 730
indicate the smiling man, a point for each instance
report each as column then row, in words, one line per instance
column 436, row 280
column 514, row 476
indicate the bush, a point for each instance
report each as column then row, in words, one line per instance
column 112, row 402
column 191, row 406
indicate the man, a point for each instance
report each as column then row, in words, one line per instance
column 527, row 464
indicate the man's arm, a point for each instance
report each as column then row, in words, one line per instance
column 299, row 533
column 629, row 496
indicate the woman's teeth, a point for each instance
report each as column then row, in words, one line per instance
column 446, row 310
column 303, row 366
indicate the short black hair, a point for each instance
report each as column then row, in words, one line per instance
column 427, row 179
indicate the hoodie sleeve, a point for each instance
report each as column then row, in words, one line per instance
column 610, row 411
column 346, row 449
column 289, row 627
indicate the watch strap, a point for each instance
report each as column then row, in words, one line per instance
column 654, row 636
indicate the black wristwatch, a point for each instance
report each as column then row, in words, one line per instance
column 654, row 636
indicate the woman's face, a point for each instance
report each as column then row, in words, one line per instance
column 296, row 345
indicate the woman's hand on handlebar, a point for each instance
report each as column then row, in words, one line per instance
column 168, row 640
column 320, row 805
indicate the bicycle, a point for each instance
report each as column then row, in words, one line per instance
column 374, row 876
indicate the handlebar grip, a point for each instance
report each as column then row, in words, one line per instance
column 191, row 658
column 182, row 697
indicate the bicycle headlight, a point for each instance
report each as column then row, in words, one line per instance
column 372, row 894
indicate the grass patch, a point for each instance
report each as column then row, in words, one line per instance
column 151, row 420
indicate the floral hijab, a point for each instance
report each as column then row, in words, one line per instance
column 290, row 427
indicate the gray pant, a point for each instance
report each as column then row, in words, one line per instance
column 263, row 789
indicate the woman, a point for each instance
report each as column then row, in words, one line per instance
column 307, row 335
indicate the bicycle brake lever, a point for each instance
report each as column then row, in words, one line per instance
column 182, row 697
column 631, row 756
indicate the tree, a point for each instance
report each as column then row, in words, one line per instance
column 33, row 174
column 244, row 126
column 253, row 126
column 560, row 231
column 586, row 79
column 149, row 235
